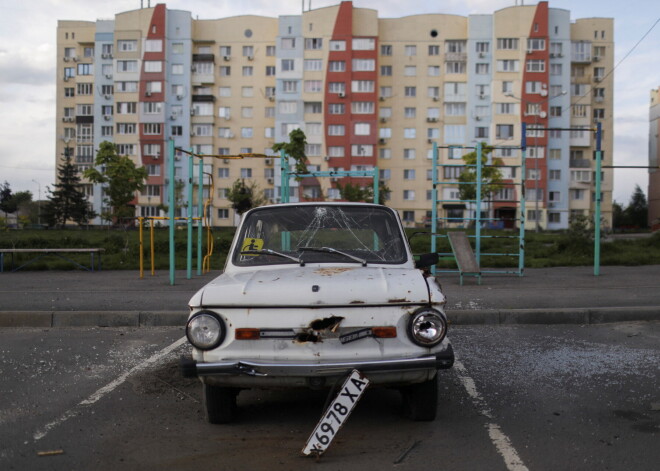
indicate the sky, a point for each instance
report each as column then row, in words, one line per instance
column 28, row 69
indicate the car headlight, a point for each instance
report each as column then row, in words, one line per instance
column 205, row 330
column 427, row 327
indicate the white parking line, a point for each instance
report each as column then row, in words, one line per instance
column 499, row 438
column 108, row 388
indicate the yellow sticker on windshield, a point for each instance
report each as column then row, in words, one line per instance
column 252, row 244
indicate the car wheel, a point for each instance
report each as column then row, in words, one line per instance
column 220, row 404
column 420, row 401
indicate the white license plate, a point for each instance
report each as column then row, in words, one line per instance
column 336, row 414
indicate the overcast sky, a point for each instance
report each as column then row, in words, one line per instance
column 28, row 74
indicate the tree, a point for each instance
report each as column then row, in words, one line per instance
column 67, row 202
column 350, row 192
column 618, row 215
column 244, row 197
column 295, row 149
column 121, row 177
column 638, row 209
column 7, row 202
column 491, row 176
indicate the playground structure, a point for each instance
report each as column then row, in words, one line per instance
column 286, row 174
column 461, row 256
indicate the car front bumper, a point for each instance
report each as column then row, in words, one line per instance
column 191, row 368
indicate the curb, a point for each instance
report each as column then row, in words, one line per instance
column 92, row 318
column 601, row 315
column 456, row 317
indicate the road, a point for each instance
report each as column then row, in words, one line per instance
column 520, row 397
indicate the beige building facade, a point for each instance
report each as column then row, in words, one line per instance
column 368, row 92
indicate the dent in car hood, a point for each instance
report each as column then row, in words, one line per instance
column 315, row 286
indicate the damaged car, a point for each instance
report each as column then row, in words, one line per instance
column 311, row 292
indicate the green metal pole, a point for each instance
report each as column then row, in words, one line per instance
column 376, row 185
column 434, row 198
column 478, row 198
column 523, row 169
column 189, row 229
column 171, row 208
column 599, row 165
column 200, row 209
column 284, row 166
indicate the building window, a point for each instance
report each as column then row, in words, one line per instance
column 337, row 66
column 336, row 130
column 336, row 108
column 362, row 129
column 314, row 43
column 504, row 131
column 410, row 50
column 508, row 65
column 364, row 65
column 124, row 45
column 534, row 65
column 434, row 50
column 507, row 43
column 455, row 67
column 363, row 107
column 289, row 86
column 313, row 65
column 410, row 71
column 288, row 43
column 385, row 49
column 364, row 44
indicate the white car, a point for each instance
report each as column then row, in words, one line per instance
column 310, row 292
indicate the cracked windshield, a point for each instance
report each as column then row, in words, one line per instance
column 320, row 234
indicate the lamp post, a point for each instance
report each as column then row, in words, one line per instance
column 38, row 203
column 524, row 103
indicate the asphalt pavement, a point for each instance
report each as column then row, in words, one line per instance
column 569, row 295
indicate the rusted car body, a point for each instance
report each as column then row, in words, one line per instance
column 310, row 292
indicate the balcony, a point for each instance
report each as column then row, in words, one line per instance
column 580, row 163
column 456, row 56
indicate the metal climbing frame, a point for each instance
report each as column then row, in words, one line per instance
column 478, row 219
column 201, row 208
column 286, row 174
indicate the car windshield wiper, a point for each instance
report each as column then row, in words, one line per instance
column 335, row 251
column 272, row 252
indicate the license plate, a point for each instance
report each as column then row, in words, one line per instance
column 336, row 414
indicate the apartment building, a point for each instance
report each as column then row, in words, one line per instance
column 654, row 161
column 368, row 92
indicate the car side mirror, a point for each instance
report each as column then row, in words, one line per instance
column 426, row 260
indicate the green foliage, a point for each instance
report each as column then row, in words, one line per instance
column 295, row 149
column 245, row 196
column 491, row 176
column 122, row 179
column 67, row 202
column 635, row 215
column 7, row 203
column 356, row 193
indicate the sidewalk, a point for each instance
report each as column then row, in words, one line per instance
column 121, row 298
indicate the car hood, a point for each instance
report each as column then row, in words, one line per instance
column 315, row 286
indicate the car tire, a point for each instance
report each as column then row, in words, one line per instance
column 220, row 404
column 420, row 401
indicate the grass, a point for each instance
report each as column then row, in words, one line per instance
column 122, row 248
column 549, row 249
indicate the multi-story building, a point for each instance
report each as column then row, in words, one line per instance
column 654, row 161
column 367, row 91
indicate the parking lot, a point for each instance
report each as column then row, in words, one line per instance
column 520, row 397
